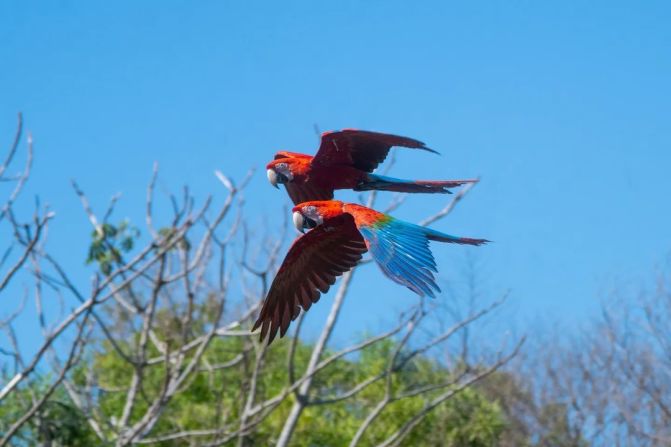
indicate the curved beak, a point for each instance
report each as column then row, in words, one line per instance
column 272, row 177
column 298, row 221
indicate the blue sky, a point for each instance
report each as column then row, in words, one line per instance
column 563, row 109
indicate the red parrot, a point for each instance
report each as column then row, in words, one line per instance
column 340, row 234
column 345, row 160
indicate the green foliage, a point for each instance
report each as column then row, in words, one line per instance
column 467, row 420
column 109, row 243
column 57, row 423
column 216, row 397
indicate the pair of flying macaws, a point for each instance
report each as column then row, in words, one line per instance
column 340, row 233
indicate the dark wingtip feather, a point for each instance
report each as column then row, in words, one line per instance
column 432, row 289
column 434, row 235
column 264, row 329
column 472, row 241
column 268, row 333
column 426, row 148
column 273, row 334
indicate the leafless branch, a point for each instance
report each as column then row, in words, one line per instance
column 165, row 309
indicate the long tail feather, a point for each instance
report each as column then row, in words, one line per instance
column 443, row 237
column 410, row 232
column 382, row 183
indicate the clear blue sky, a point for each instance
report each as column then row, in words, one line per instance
column 563, row 108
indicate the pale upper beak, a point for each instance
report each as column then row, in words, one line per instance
column 299, row 221
column 272, row 177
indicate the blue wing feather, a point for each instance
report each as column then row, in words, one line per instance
column 405, row 267
column 413, row 247
column 402, row 252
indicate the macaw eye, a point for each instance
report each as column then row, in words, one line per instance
column 309, row 223
column 281, row 178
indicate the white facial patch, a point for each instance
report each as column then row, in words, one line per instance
column 311, row 213
column 283, row 168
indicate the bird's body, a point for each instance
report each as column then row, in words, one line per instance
column 341, row 233
column 346, row 160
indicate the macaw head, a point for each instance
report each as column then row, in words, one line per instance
column 308, row 215
column 285, row 170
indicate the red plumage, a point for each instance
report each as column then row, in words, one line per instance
column 311, row 266
column 345, row 160
column 341, row 233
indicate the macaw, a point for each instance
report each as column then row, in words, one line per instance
column 345, row 160
column 340, row 233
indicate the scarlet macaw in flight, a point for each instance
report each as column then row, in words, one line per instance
column 340, row 234
column 345, row 160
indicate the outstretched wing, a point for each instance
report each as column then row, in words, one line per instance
column 402, row 252
column 401, row 249
column 360, row 148
column 311, row 266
